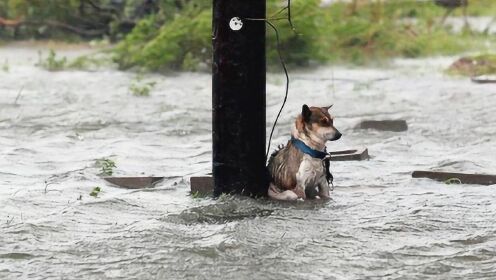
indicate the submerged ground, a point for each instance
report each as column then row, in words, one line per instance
column 381, row 224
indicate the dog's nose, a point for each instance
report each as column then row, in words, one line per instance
column 337, row 136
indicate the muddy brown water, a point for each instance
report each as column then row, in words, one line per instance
column 381, row 223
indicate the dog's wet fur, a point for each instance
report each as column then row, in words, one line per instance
column 295, row 174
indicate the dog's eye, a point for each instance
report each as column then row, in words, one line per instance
column 324, row 121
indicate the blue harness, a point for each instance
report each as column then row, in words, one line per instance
column 300, row 145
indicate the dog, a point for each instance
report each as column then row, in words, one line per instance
column 301, row 168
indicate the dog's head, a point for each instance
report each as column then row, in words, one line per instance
column 317, row 122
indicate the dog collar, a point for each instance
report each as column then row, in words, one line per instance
column 300, row 145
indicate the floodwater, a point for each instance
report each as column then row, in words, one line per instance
column 380, row 224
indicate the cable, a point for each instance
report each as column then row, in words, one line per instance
column 283, row 64
column 289, row 17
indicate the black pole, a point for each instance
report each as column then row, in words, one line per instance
column 238, row 76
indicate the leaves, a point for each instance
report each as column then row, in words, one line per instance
column 95, row 191
column 184, row 38
column 106, row 165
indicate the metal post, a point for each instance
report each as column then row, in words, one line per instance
column 238, row 97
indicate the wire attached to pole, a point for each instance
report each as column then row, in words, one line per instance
column 289, row 17
column 283, row 64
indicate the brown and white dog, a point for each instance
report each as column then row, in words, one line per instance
column 298, row 170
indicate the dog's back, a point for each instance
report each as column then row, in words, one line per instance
column 283, row 166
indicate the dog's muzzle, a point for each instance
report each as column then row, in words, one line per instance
column 337, row 136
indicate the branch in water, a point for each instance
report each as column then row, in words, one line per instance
column 10, row 22
column 52, row 23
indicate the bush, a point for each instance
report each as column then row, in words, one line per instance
column 181, row 43
column 342, row 32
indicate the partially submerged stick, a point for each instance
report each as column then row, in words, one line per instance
column 462, row 178
column 484, row 79
column 18, row 95
column 384, row 125
column 350, row 155
column 134, row 182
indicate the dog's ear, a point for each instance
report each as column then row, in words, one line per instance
column 306, row 113
column 329, row 107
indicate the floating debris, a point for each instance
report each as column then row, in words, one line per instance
column 95, row 191
column 201, row 186
column 458, row 178
column 134, row 182
column 484, row 79
column 384, row 125
column 350, row 155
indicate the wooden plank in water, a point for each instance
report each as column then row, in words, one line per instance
column 134, row 182
column 350, row 155
column 203, row 185
column 464, row 178
column 485, row 79
column 384, row 125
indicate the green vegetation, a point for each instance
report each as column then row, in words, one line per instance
column 106, row 165
column 72, row 19
column 89, row 62
column 6, row 66
column 474, row 65
column 453, row 181
column 196, row 195
column 181, row 43
column 39, row 14
column 140, row 88
column 176, row 34
column 95, row 192
column 358, row 33
column 51, row 62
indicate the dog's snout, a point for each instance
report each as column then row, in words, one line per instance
column 337, row 136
